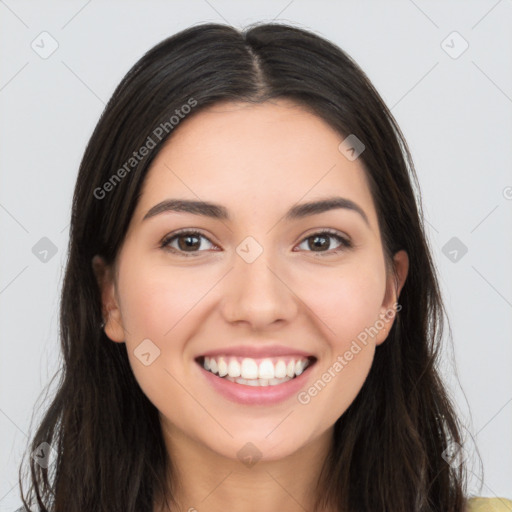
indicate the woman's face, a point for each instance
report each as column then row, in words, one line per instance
column 260, row 289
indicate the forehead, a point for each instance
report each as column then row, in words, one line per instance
column 252, row 157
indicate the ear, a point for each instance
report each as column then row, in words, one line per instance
column 394, row 284
column 110, row 305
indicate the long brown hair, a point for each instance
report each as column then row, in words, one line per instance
column 389, row 446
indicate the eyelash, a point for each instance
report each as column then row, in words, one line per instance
column 345, row 243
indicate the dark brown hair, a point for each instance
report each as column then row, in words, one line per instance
column 387, row 452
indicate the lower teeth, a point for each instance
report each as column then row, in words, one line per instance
column 257, row 382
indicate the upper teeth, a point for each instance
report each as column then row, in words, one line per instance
column 249, row 368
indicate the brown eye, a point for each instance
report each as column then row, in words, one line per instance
column 187, row 242
column 321, row 242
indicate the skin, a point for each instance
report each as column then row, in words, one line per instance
column 257, row 161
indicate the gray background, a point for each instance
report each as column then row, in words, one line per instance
column 454, row 109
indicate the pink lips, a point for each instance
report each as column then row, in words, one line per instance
column 256, row 395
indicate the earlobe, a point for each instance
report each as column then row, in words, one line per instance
column 112, row 320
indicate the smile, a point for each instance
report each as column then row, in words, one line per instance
column 256, row 381
column 256, row 372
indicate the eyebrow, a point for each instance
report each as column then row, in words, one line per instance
column 216, row 211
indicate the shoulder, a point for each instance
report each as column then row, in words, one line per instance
column 489, row 505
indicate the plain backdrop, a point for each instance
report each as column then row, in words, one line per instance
column 445, row 69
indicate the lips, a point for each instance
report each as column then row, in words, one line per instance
column 257, row 391
column 255, row 373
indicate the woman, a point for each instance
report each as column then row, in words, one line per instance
column 250, row 314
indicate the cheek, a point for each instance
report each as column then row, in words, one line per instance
column 337, row 385
column 348, row 305
column 347, row 302
column 155, row 306
column 346, row 299
column 161, row 304
column 156, row 300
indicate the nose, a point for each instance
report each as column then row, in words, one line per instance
column 258, row 293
